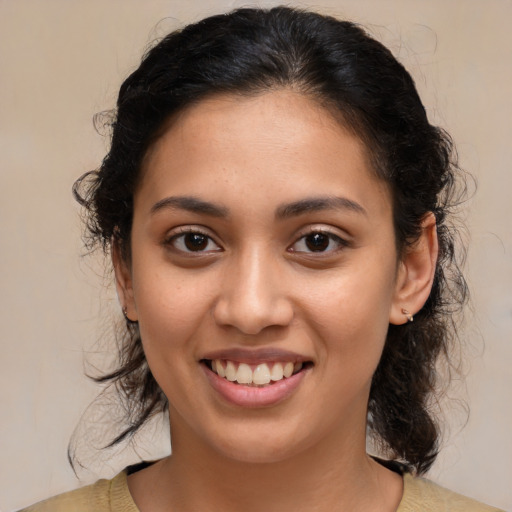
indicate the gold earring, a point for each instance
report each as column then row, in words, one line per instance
column 408, row 315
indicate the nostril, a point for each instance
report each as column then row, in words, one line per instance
column 251, row 317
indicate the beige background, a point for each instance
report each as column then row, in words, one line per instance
column 62, row 60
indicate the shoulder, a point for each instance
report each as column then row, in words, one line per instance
column 422, row 495
column 102, row 496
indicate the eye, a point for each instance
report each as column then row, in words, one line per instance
column 318, row 241
column 193, row 241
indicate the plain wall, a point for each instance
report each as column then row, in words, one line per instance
column 61, row 61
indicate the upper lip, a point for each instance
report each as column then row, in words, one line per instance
column 261, row 355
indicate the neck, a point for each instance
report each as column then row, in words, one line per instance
column 319, row 478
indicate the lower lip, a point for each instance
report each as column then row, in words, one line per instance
column 248, row 396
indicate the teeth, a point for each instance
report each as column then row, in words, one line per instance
column 277, row 372
column 244, row 374
column 230, row 371
column 219, row 369
column 288, row 370
column 260, row 376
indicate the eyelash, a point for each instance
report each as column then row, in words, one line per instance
column 331, row 237
column 174, row 239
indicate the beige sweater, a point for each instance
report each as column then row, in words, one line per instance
column 420, row 495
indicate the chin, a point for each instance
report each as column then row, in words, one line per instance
column 261, row 447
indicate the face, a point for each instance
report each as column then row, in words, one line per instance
column 263, row 274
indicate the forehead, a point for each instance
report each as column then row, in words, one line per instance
column 279, row 143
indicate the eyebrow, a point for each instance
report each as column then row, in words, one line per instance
column 315, row 204
column 191, row 204
column 306, row 205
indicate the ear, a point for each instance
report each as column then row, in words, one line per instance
column 415, row 273
column 124, row 285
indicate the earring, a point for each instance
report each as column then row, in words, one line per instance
column 408, row 315
column 125, row 313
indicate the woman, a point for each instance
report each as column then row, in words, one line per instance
column 275, row 205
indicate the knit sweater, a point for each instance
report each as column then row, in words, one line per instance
column 419, row 495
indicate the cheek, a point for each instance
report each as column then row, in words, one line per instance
column 170, row 316
column 170, row 309
column 350, row 315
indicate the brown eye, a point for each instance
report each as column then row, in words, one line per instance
column 317, row 242
column 193, row 241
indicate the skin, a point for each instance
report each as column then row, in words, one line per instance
column 256, row 284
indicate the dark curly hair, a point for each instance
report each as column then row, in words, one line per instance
column 250, row 51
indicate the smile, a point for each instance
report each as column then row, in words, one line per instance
column 255, row 378
column 262, row 374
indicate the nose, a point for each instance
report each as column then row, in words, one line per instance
column 253, row 295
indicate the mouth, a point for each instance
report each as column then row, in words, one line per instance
column 257, row 375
